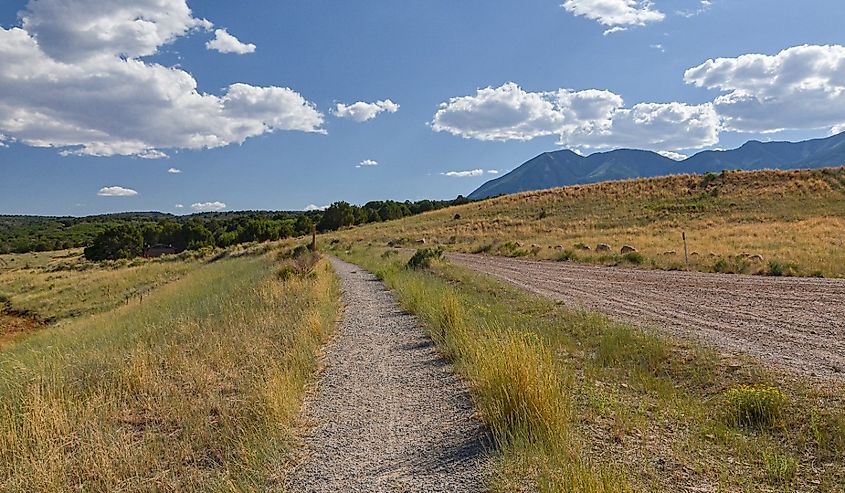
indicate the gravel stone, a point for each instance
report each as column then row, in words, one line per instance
column 388, row 414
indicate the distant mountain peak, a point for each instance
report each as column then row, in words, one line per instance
column 565, row 167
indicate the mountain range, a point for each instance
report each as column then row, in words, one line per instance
column 564, row 167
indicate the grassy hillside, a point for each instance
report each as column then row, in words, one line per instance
column 195, row 389
column 793, row 219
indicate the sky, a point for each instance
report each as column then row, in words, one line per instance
column 182, row 106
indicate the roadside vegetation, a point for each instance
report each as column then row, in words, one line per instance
column 197, row 388
column 760, row 222
column 579, row 403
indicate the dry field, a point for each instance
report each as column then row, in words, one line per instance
column 793, row 219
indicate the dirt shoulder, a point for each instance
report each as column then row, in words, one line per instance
column 794, row 323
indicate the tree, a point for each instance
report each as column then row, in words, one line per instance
column 338, row 215
column 302, row 225
column 116, row 242
column 196, row 235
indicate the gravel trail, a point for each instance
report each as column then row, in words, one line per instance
column 388, row 414
column 794, row 323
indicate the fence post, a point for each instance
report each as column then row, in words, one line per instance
column 686, row 250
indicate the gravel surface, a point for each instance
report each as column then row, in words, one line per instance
column 794, row 323
column 388, row 414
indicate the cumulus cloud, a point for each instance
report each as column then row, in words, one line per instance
column 802, row 87
column 174, row 171
column 313, row 207
column 615, row 13
column 493, row 171
column 362, row 111
column 677, row 156
column 178, row 206
column 208, row 206
column 73, row 79
column 367, row 162
column 464, row 174
column 226, row 43
column 703, row 7
column 589, row 119
column 116, row 191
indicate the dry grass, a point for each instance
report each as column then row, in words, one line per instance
column 579, row 403
column 52, row 286
column 787, row 216
column 196, row 389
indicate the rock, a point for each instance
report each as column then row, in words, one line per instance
column 558, row 247
column 756, row 258
column 694, row 254
column 586, row 248
column 670, row 253
column 627, row 249
column 603, row 247
column 422, row 241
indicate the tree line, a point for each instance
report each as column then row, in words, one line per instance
column 130, row 239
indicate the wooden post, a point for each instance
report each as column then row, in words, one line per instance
column 313, row 237
column 686, row 250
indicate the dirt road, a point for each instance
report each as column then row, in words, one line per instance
column 388, row 414
column 796, row 323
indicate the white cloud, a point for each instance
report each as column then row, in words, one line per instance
column 3, row 141
column 116, row 191
column 659, row 47
column 493, row 171
column 654, row 126
column 677, row 156
column 178, row 206
column 464, row 174
column 312, row 207
column 367, row 162
column 589, row 119
column 612, row 30
column 615, row 12
column 208, row 206
column 802, row 87
column 72, row 79
column 226, row 43
column 174, row 171
column 838, row 129
column 703, row 7
column 362, row 111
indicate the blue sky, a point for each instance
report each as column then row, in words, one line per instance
column 91, row 90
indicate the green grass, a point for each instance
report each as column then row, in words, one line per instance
column 579, row 403
column 198, row 388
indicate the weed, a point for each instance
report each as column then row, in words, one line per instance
column 780, row 468
column 754, row 406
column 634, row 258
column 778, row 269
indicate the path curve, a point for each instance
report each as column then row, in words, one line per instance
column 795, row 323
column 388, row 414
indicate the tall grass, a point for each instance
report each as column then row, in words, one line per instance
column 196, row 389
column 579, row 403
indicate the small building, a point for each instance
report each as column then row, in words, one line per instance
column 154, row 251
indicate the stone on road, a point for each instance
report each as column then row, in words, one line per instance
column 388, row 414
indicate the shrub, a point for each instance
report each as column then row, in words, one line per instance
column 389, row 253
column 484, row 248
column 423, row 257
column 780, row 468
column 567, row 255
column 734, row 265
column 634, row 257
column 754, row 406
column 778, row 269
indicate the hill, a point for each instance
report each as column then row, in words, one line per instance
column 561, row 168
column 793, row 219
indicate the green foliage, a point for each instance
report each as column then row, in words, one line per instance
column 423, row 257
column 778, row 269
column 780, row 468
column 754, row 406
column 733, row 265
column 634, row 258
column 116, row 242
column 567, row 256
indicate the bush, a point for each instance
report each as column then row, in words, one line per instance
column 734, row 265
column 423, row 257
column 389, row 253
column 483, row 248
column 634, row 257
column 567, row 256
column 754, row 406
column 778, row 269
